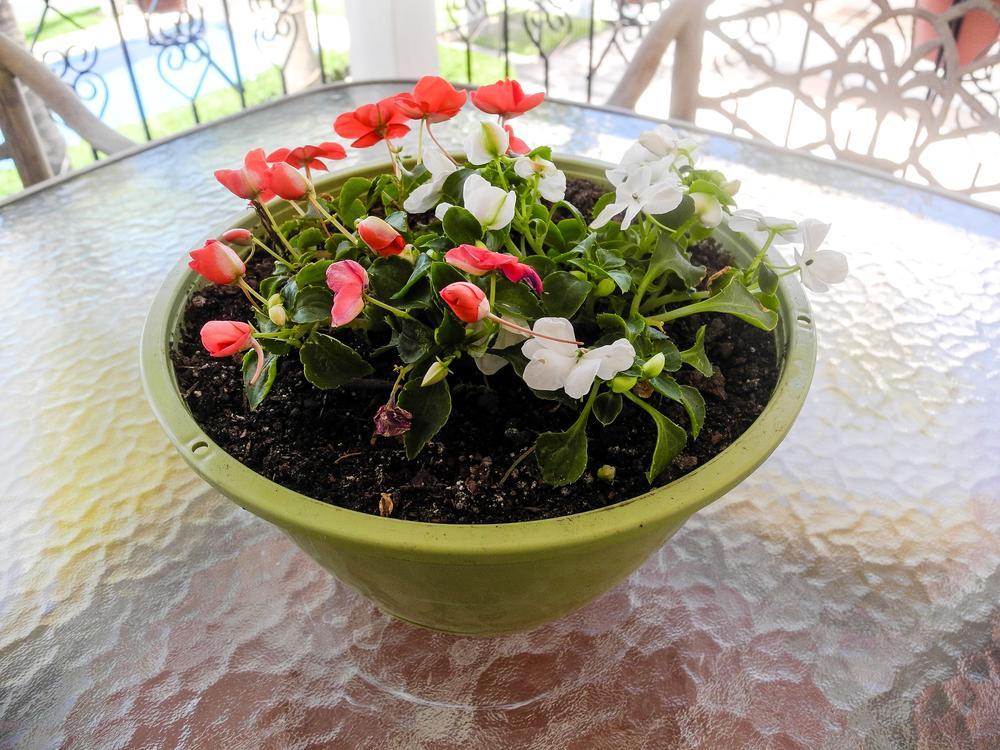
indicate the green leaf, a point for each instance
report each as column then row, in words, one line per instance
column 572, row 230
column 311, row 305
column 733, row 300
column 607, row 407
column 454, row 183
column 257, row 392
column 517, row 300
column 430, row 407
column 562, row 456
column 668, row 257
column 670, row 439
column 696, row 357
column 615, row 325
column 397, row 220
column 443, row 274
column 688, row 397
column 543, row 265
column 451, row 331
column 420, row 269
column 329, row 363
column 461, row 226
column 387, row 276
column 311, row 237
column 564, row 293
column 312, row 274
column 355, row 188
column 674, row 219
column 655, row 342
column 767, row 279
column 413, row 340
column 710, row 188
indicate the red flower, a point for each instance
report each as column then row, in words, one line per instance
column 222, row 338
column 287, row 182
column 381, row 236
column 478, row 261
column 371, row 123
column 217, row 262
column 505, row 98
column 515, row 144
column 433, row 99
column 238, row 236
column 250, row 182
column 467, row 301
column 348, row 281
column 308, row 156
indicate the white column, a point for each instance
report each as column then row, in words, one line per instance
column 392, row 38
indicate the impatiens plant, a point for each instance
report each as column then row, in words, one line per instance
column 449, row 267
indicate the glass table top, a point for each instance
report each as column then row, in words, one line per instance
column 846, row 595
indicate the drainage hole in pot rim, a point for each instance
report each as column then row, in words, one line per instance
column 199, row 448
column 804, row 321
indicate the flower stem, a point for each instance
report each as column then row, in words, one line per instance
column 250, row 291
column 268, row 250
column 527, row 331
column 394, row 310
column 277, row 231
column 260, row 360
column 328, row 216
column 438, row 144
column 420, row 143
column 759, row 258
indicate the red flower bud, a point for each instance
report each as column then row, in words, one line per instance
column 514, row 144
column 221, row 338
column 287, row 182
column 217, row 262
column 467, row 301
column 238, row 236
column 381, row 236
column 433, row 99
column 250, row 182
column 505, row 98
column 348, row 281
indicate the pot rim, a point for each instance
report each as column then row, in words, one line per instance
column 294, row 511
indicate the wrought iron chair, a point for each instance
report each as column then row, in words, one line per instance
column 21, row 141
column 914, row 91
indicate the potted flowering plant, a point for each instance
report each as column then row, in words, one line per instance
column 440, row 282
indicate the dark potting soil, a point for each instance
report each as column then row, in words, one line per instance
column 321, row 443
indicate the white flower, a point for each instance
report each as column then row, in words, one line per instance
column 551, row 182
column 491, row 205
column 663, row 143
column 424, row 197
column 554, row 365
column 648, row 188
column 819, row 268
column 490, row 364
column 756, row 227
column 708, row 209
column 487, row 142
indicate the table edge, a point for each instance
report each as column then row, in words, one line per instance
column 139, row 148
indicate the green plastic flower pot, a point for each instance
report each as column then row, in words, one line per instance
column 479, row 579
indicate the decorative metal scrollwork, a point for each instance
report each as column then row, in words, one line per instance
column 547, row 18
column 884, row 86
column 181, row 39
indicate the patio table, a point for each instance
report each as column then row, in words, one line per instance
column 845, row 595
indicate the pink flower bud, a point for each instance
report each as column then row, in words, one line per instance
column 381, row 236
column 238, row 236
column 478, row 261
column 348, row 281
column 287, row 182
column 217, row 262
column 221, row 338
column 467, row 301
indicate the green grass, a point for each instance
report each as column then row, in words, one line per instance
column 56, row 24
column 491, row 37
column 485, row 68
